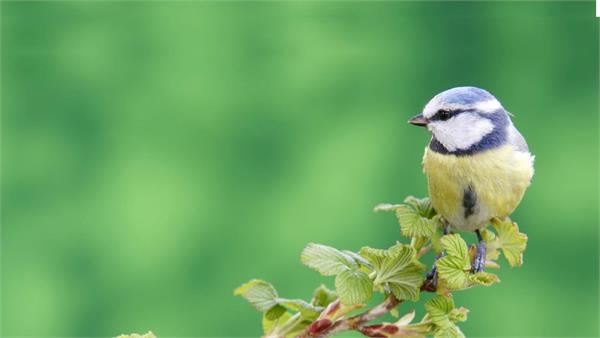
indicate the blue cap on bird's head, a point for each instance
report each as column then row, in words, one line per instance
column 461, row 117
column 464, row 95
column 462, row 98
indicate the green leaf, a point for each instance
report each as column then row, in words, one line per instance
column 418, row 242
column 484, row 278
column 308, row 311
column 440, row 310
column 353, row 287
column 458, row 314
column 454, row 272
column 450, row 332
column 454, row 268
column 412, row 223
column 406, row 285
column 270, row 324
column 275, row 312
column 435, row 241
column 454, row 245
column 415, row 216
column 326, row 260
column 322, row 296
column 286, row 325
column 375, row 256
column 359, row 259
column 511, row 241
column 398, row 269
column 260, row 294
column 422, row 205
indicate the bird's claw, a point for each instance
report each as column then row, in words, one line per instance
column 431, row 279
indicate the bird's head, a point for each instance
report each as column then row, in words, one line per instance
column 460, row 118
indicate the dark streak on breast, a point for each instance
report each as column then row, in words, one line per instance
column 469, row 201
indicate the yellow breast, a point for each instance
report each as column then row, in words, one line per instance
column 494, row 182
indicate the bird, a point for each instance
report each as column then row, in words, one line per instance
column 478, row 165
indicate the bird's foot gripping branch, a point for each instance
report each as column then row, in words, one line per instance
column 397, row 273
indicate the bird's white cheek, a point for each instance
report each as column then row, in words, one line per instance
column 461, row 131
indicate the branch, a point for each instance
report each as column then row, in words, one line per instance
column 360, row 274
column 323, row 327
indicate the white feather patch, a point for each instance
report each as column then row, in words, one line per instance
column 462, row 131
column 488, row 106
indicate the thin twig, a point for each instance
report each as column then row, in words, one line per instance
column 356, row 322
column 348, row 324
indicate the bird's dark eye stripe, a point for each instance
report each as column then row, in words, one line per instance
column 440, row 115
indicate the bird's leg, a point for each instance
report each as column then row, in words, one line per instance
column 431, row 278
column 479, row 262
column 446, row 228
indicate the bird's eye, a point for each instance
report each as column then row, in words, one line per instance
column 444, row 114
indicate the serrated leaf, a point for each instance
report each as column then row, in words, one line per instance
column 422, row 205
column 511, row 241
column 454, row 272
column 412, row 223
column 458, row 314
column 322, row 296
column 353, row 287
column 406, row 284
column 398, row 269
column 454, row 268
column 454, row 245
column 326, row 260
column 262, row 295
column 439, row 310
column 484, row 278
column 374, row 256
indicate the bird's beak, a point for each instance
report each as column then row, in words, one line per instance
column 418, row 120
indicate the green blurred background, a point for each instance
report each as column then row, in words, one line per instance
column 158, row 154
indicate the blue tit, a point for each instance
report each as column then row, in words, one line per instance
column 477, row 164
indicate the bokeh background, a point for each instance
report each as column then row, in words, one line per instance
column 155, row 155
